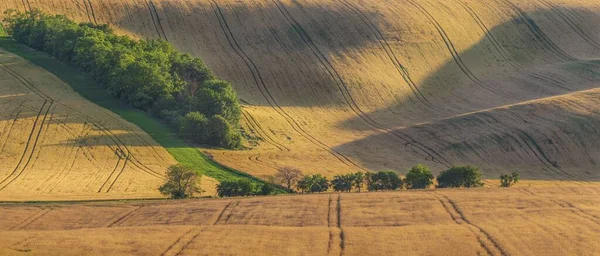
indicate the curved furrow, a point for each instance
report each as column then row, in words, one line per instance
column 423, row 151
column 541, row 38
column 261, row 132
column 455, row 55
column 87, row 11
column 92, row 11
column 153, row 18
column 94, row 122
column 503, row 53
column 158, row 21
column 402, row 70
column 571, row 24
column 258, row 80
column 15, row 173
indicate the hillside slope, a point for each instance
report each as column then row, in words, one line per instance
column 57, row 145
column 336, row 86
column 490, row 221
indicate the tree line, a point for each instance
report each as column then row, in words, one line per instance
column 150, row 75
column 183, row 182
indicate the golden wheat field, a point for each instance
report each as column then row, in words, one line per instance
column 336, row 86
column 525, row 221
column 57, row 145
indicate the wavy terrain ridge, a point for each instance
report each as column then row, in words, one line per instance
column 338, row 86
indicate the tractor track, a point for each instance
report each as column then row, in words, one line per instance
column 122, row 219
column 111, row 173
column 156, row 19
column 95, row 123
column 459, row 218
column 261, row 132
column 31, row 219
column 423, row 150
column 571, row 24
column 540, row 37
column 12, row 124
column 87, row 11
column 402, row 70
column 258, row 80
column 92, row 11
column 527, row 142
column 48, row 102
column 455, row 55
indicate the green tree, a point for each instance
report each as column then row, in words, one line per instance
column 241, row 187
column 359, row 180
column 343, row 183
column 507, row 180
column 460, row 176
column 221, row 133
column 182, row 182
column 147, row 74
column 383, row 180
column 194, row 127
column 418, row 177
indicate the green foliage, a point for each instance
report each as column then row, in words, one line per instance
column 343, row 183
column 507, row 180
column 383, row 180
column 147, row 74
column 182, row 182
column 241, row 187
column 460, row 176
column 347, row 182
column 267, row 189
column 313, row 184
column 418, row 177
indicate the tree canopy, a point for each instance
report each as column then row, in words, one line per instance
column 150, row 75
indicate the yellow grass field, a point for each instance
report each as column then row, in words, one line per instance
column 524, row 221
column 55, row 145
column 337, row 86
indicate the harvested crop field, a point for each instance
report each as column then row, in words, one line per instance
column 55, row 145
column 337, row 86
column 523, row 222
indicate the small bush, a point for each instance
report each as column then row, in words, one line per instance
column 507, row 180
column 460, row 176
column 419, row 177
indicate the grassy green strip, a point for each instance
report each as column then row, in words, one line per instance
column 184, row 153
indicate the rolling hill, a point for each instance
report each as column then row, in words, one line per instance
column 57, row 145
column 338, row 86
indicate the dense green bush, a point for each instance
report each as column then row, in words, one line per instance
column 241, row 187
column 460, row 176
column 313, row 184
column 507, row 180
column 147, row 74
column 384, row 180
column 418, row 177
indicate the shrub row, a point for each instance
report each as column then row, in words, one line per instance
column 147, row 74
